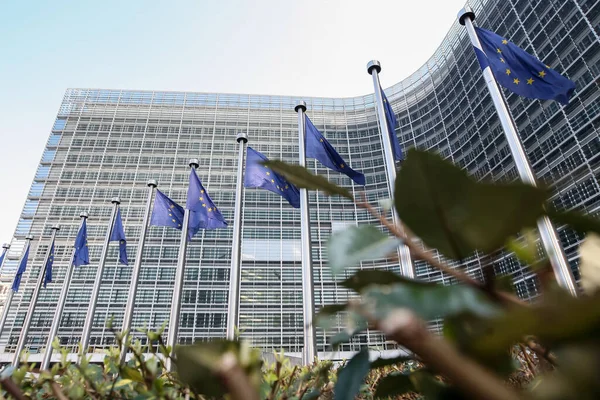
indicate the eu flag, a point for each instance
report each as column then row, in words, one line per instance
column 318, row 147
column 203, row 212
column 82, row 253
column 519, row 71
column 166, row 212
column 259, row 176
column 48, row 274
column 118, row 235
column 2, row 256
column 390, row 117
column 21, row 270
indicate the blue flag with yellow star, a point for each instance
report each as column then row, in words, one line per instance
column 118, row 235
column 166, row 212
column 2, row 256
column 319, row 148
column 519, row 71
column 48, row 273
column 21, row 270
column 82, row 253
column 390, row 117
column 259, row 176
column 203, row 212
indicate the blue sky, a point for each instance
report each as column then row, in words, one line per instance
column 315, row 47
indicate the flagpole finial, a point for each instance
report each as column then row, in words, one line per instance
column 194, row 163
column 242, row 136
column 300, row 105
column 373, row 64
column 466, row 12
column 116, row 200
column 6, row 246
column 29, row 237
column 152, row 182
column 83, row 215
column 56, row 227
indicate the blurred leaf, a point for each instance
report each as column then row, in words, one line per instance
column 353, row 324
column 366, row 277
column 525, row 249
column 576, row 220
column 393, row 385
column 386, row 204
column 123, row 382
column 358, row 243
column 384, row 362
column 352, row 375
column 433, row 389
column 504, row 283
column 590, row 263
column 132, row 373
column 303, row 178
column 326, row 315
column 453, row 213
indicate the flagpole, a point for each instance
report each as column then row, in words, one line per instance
column 135, row 274
column 179, row 278
column 236, row 251
column 374, row 68
column 548, row 235
column 60, row 306
column 6, row 247
column 89, row 318
column 9, row 295
column 308, row 297
column 33, row 301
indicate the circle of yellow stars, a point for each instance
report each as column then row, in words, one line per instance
column 516, row 81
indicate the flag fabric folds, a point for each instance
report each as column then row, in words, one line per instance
column 319, row 148
column 519, row 71
column 21, row 270
column 166, row 212
column 390, row 117
column 118, row 235
column 259, row 176
column 48, row 273
column 82, row 253
column 203, row 212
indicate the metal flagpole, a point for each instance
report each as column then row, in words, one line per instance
column 89, row 318
column 308, row 296
column 135, row 274
column 374, row 68
column 549, row 237
column 236, row 251
column 32, row 303
column 60, row 306
column 9, row 295
column 179, row 277
column 6, row 247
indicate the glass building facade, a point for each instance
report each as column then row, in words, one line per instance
column 107, row 143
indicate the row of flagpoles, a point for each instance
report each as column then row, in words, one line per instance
column 496, row 56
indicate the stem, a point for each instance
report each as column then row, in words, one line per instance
column 235, row 379
column 527, row 359
column 12, row 389
column 58, row 392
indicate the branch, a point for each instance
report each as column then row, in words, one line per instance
column 58, row 392
column 11, row 388
column 409, row 331
column 235, row 379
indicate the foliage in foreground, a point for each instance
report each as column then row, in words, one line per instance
column 494, row 346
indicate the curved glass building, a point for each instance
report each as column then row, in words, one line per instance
column 107, row 143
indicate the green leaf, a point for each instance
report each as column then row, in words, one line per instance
column 576, row 220
column 123, row 382
column 363, row 278
column 352, row 375
column 384, row 362
column 455, row 214
column 394, row 385
column 349, row 247
column 526, row 248
column 326, row 314
column 433, row 389
column 303, row 178
column 132, row 373
column 429, row 301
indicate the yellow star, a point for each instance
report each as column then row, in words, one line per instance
column 505, row 41
column 201, row 191
column 530, row 81
column 209, row 209
column 203, row 205
column 268, row 173
column 547, row 66
column 272, row 181
column 502, row 60
column 201, row 199
column 171, row 206
column 499, row 51
column 170, row 215
column 341, row 165
column 507, row 71
column 516, row 81
column 321, row 140
column 286, row 186
column 179, row 225
column 542, row 74
column 173, row 220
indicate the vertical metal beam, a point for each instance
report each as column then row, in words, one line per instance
column 10, row 294
column 236, row 248
column 89, row 318
column 308, row 296
column 135, row 274
column 548, row 235
column 33, row 302
column 60, row 306
column 178, row 288
column 374, row 68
